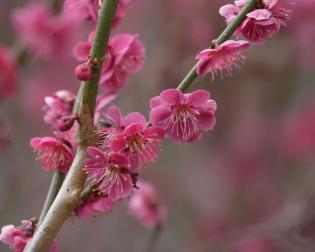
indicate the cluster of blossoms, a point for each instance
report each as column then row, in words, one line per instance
column 44, row 33
column 125, row 56
column 126, row 143
column 259, row 25
column 17, row 237
column 88, row 9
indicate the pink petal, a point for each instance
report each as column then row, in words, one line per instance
column 134, row 129
column 81, row 51
column 155, row 101
column 172, row 97
column 134, row 117
column 154, row 133
column 206, row 121
column 198, row 98
column 159, row 114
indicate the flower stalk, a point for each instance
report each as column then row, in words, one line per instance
column 68, row 197
column 224, row 36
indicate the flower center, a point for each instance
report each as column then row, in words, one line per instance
column 182, row 122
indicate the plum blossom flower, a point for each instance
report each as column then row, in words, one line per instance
column 52, row 153
column 223, row 57
column 183, row 116
column 125, row 56
column 96, row 204
column 17, row 237
column 88, row 9
column 113, row 123
column 261, row 23
column 131, row 136
column 59, row 105
column 111, row 172
column 48, row 35
column 144, row 205
column 8, row 73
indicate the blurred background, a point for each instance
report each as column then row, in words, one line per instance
column 245, row 186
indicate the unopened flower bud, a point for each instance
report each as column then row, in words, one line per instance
column 83, row 72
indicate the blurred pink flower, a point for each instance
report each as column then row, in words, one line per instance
column 223, row 57
column 59, row 105
column 52, row 153
column 258, row 245
column 111, row 172
column 8, row 73
column 144, row 205
column 183, row 116
column 297, row 136
column 125, row 56
column 88, row 9
column 137, row 140
column 48, row 35
column 17, row 237
column 95, row 205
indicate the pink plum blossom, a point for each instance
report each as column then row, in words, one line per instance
column 183, row 116
column 88, row 9
column 261, row 23
column 59, row 105
column 17, row 237
column 144, row 204
column 97, row 204
column 113, row 123
column 8, row 73
column 125, row 56
column 131, row 135
column 223, row 57
column 52, row 153
column 111, row 172
column 44, row 33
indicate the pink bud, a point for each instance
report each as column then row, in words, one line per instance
column 65, row 123
column 83, row 72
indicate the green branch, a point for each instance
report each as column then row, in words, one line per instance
column 224, row 36
column 68, row 197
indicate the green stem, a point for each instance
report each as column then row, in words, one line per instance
column 68, row 197
column 54, row 187
column 224, row 36
column 154, row 238
column 58, row 178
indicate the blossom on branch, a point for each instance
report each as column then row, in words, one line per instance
column 184, row 117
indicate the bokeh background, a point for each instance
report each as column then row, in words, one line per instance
column 249, row 183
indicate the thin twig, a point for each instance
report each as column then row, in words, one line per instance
column 225, row 35
column 154, row 238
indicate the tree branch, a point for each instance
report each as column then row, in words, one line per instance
column 68, row 197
